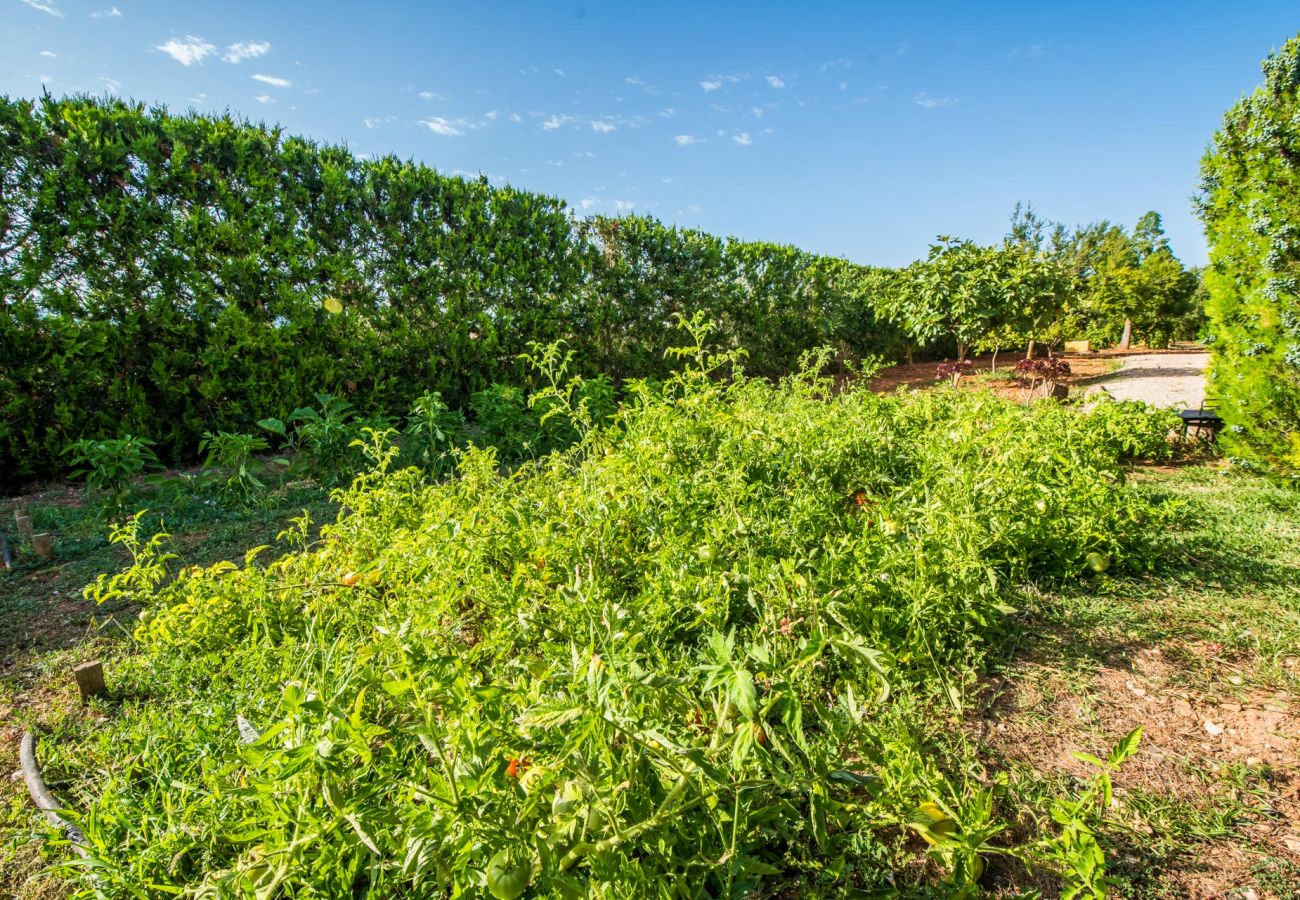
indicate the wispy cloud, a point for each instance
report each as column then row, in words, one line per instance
column 264, row 98
column 376, row 121
column 588, row 202
column 49, row 54
column 926, row 101
column 834, row 64
column 187, row 50
column 624, row 205
column 242, row 50
column 110, row 84
column 273, row 81
column 742, row 138
column 775, row 81
column 111, row 13
column 685, row 140
column 445, row 127
column 713, row 82
column 756, row 111
column 603, row 127
column 555, row 122
column 45, row 7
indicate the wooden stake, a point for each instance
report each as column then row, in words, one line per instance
column 24, row 525
column 90, row 678
column 43, row 544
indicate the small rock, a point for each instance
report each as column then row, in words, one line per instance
column 1292, row 842
column 1253, row 760
column 1137, row 691
column 1249, row 894
column 1274, row 706
column 1182, row 707
column 1234, row 679
column 1211, row 729
column 1230, row 707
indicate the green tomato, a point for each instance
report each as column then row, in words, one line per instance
column 705, row 553
column 567, row 796
column 1097, row 562
column 506, row 878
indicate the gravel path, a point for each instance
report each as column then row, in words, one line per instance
column 1161, row 379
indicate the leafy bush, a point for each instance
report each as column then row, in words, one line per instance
column 687, row 650
column 433, row 431
column 231, row 457
column 1132, row 429
column 1250, row 201
column 110, row 465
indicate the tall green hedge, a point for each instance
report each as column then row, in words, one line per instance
column 1250, row 202
column 166, row 274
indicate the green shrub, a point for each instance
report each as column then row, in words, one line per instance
column 1250, row 201
column 433, row 431
column 688, row 650
column 108, row 466
column 231, row 457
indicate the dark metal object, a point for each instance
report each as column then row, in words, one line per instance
column 41, row 794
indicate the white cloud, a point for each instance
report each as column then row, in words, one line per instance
column 588, row 202
column 376, row 121
column 49, row 54
column 273, row 81
column 667, row 179
column 264, row 98
column 667, row 112
column 710, row 85
column 742, row 138
column 111, row 13
column 926, row 101
column 834, row 64
column 775, row 81
column 515, row 117
column 757, row 111
column 243, row 50
column 491, row 115
column 602, row 127
column 624, row 205
column 110, row 84
column 444, row 127
column 188, row 50
column 555, row 122
column 559, row 72
column 46, row 7
column 685, row 140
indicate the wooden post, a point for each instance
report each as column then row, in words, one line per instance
column 90, row 679
column 24, row 525
column 43, row 544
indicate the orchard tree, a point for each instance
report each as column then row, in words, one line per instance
column 953, row 293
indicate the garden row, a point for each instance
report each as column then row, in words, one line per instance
column 166, row 276
column 700, row 646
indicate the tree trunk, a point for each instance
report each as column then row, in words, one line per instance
column 1128, row 334
column 909, row 354
column 1029, row 354
column 995, row 359
column 961, row 352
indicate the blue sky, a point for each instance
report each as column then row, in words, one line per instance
column 856, row 129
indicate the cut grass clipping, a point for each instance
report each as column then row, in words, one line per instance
column 699, row 648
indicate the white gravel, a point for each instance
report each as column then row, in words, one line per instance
column 1161, row 379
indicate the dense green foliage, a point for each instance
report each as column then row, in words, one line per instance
column 1250, row 202
column 169, row 276
column 1045, row 284
column 689, row 650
